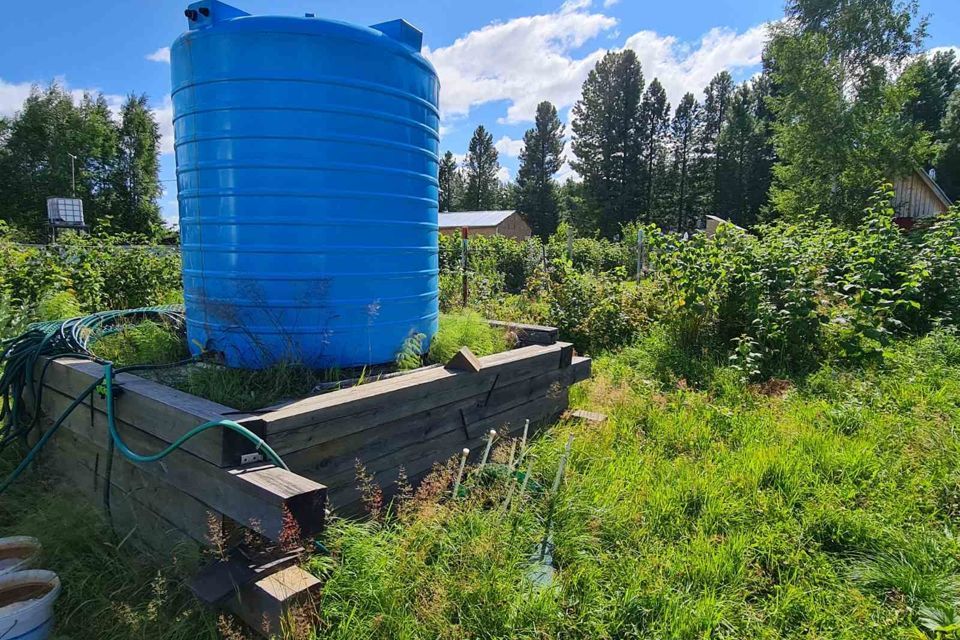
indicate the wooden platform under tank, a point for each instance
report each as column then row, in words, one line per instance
column 204, row 490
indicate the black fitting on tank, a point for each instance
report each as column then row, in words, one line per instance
column 205, row 12
column 191, row 15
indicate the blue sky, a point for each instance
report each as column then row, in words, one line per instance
column 496, row 58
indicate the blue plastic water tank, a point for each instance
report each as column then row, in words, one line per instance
column 307, row 158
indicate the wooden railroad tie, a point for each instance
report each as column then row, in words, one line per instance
column 589, row 416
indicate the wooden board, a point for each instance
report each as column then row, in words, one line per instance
column 471, row 417
column 263, row 604
column 160, row 514
column 529, row 334
column 330, row 416
column 343, row 494
column 159, row 410
column 254, row 496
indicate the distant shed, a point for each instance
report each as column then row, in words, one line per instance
column 918, row 196
column 507, row 223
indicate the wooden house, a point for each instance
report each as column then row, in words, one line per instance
column 507, row 223
column 917, row 196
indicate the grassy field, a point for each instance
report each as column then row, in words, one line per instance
column 818, row 508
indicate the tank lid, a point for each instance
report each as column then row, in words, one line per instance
column 401, row 31
column 206, row 12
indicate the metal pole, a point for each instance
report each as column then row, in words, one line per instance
column 73, row 176
column 464, row 232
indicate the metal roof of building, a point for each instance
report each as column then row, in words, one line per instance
column 458, row 219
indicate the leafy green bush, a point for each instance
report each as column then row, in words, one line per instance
column 466, row 329
column 597, row 312
column 101, row 273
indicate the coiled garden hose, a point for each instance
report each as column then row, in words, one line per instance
column 72, row 338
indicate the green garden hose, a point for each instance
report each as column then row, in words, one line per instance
column 176, row 444
column 72, row 337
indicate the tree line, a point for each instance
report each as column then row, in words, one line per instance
column 844, row 100
column 116, row 162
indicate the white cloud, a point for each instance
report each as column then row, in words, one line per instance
column 683, row 67
column 160, row 55
column 170, row 212
column 609, row 3
column 935, row 50
column 508, row 146
column 12, row 97
column 569, row 6
column 164, row 116
column 522, row 61
column 566, row 171
column 503, row 175
column 529, row 59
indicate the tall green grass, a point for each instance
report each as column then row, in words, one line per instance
column 825, row 507
column 111, row 590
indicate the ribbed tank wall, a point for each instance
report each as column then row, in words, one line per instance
column 307, row 157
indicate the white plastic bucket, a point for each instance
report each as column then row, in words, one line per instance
column 26, row 604
column 18, row 553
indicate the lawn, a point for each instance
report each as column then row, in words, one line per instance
column 824, row 507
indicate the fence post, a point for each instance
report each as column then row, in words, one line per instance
column 639, row 253
column 464, row 232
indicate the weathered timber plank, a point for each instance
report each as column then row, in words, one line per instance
column 333, row 415
column 343, row 492
column 161, row 411
column 264, row 604
column 471, row 417
column 161, row 515
column 529, row 334
column 589, row 416
column 253, row 496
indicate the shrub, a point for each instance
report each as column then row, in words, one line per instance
column 101, row 273
column 596, row 312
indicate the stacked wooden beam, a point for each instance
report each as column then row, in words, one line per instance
column 196, row 488
column 416, row 420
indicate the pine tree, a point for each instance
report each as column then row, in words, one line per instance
column 742, row 140
column 135, row 176
column 481, row 167
column 716, row 104
column 932, row 81
column 654, row 124
column 540, row 159
column 684, row 130
column 606, row 147
column 948, row 156
column 450, row 191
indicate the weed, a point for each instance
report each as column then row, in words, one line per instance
column 466, row 329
